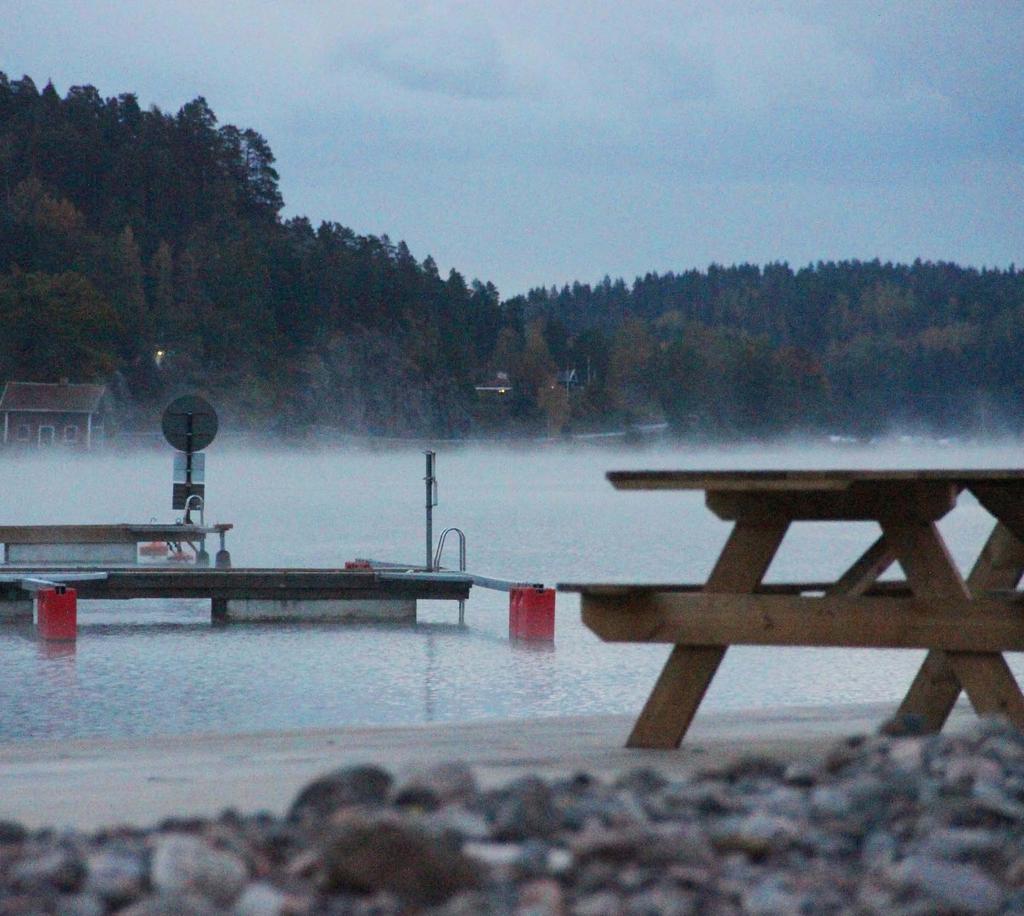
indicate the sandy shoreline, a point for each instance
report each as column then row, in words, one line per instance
column 90, row 783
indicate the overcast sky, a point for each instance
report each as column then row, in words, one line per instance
column 535, row 143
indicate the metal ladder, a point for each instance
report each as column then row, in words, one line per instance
column 436, row 565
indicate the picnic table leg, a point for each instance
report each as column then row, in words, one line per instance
column 865, row 570
column 687, row 674
column 985, row 675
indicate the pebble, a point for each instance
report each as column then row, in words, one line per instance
column 184, row 864
column 116, row 876
column 361, row 785
column 900, row 823
column 369, row 855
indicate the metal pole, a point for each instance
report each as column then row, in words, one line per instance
column 431, row 482
column 188, row 470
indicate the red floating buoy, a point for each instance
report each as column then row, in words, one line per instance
column 57, row 611
column 531, row 613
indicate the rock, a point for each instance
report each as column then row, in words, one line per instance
column 459, row 821
column 61, row 869
column 82, row 905
column 527, row 810
column 661, row 901
column 12, row 832
column 164, row 904
column 642, row 781
column 493, row 855
column 360, row 785
column 446, row 784
column 961, row 888
column 386, row 854
column 960, row 843
column 990, row 797
column 183, row 864
column 542, row 897
column 801, row 773
column 261, row 899
column 756, row 835
column 772, row 897
column 116, row 876
column 605, row 903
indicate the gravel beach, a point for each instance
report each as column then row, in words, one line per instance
column 896, row 823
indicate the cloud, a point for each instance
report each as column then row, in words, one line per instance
column 454, row 124
column 431, row 53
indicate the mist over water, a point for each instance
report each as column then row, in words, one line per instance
column 530, row 513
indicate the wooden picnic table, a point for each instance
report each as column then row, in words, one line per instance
column 965, row 624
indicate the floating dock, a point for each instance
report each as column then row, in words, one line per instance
column 254, row 594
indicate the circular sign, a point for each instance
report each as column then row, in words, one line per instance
column 189, row 423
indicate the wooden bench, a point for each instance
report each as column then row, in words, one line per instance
column 965, row 625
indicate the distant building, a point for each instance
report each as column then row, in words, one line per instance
column 567, row 378
column 47, row 415
column 498, row 386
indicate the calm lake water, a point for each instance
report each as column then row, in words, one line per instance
column 537, row 514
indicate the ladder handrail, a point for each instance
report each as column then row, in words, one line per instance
column 440, row 548
column 462, row 561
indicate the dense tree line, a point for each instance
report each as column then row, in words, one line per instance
column 147, row 249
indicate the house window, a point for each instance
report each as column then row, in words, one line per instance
column 46, row 435
column 71, row 432
column 23, row 433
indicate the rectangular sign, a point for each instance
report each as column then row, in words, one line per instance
column 198, row 467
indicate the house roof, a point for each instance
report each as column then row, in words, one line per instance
column 45, row 396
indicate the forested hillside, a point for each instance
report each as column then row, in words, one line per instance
column 147, row 249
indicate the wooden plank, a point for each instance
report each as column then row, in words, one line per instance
column 990, row 685
column 677, row 694
column 984, row 675
column 779, row 620
column 894, row 589
column 936, row 687
column 909, row 501
column 931, row 573
column 103, row 534
column 311, row 584
column 864, row 572
column 688, row 673
column 1005, row 502
column 789, row 480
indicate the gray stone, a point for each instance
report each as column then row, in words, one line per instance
column 604, row 903
column 447, row 783
column 359, row 785
column 990, row 797
column 261, row 899
column 183, row 864
column 771, row 897
column 962, row 888
column 61, row 869
column 12, row 832
column 960, row 843
column 527, row 810
column 117, row 876
column 164, row 904
column 756, row 835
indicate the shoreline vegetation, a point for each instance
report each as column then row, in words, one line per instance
column 148, row 250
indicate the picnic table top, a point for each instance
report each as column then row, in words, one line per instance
column 818, row 479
